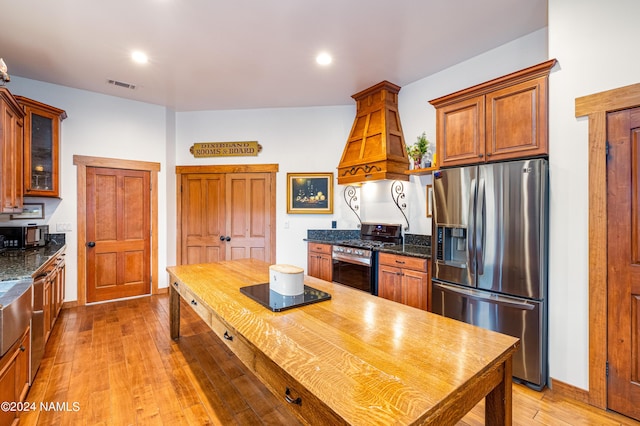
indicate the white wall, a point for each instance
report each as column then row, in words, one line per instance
column 101, row 126
column 419, row 116
column 312, row 140
column 593, row 42
column 297, row 139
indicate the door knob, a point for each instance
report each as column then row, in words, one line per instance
column 91, row 244
column 221, row 237
column 228, row 239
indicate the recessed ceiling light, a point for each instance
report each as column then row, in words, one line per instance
column 139, row 57
column 323, row 58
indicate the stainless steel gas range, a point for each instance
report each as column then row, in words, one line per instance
column 355, row 261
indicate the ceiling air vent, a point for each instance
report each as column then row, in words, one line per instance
column 122, row 84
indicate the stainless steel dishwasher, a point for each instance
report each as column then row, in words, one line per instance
column 37, row 323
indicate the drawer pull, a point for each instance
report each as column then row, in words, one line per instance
column 290, row 400
column 401, row 262
column 227, row 336
column 175, row 285
column 194, row 303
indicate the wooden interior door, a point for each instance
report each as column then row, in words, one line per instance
column 226, row 212
column 118, row 233
column 623, row 245
column 203, row 217
column 248, row 212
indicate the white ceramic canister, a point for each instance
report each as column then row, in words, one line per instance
column 287, row 280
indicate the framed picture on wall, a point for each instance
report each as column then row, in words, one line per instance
column 429, row 200
column 29, row 211
column 310, row 193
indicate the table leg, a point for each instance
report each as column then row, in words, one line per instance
column 174, row 312
column 498, row 403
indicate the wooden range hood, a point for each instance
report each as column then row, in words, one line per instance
column 375, row 149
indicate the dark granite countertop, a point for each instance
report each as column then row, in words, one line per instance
column 319, row 241
column 423, row 252
column 416, row 245
column 17, row 264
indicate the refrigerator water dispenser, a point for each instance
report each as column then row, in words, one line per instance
column 451, row 245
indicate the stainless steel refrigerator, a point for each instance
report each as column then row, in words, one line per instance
column 490, row 232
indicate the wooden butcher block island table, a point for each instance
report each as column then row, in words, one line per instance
column 355, row 359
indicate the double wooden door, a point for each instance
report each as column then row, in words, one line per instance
column 226, row 213
column 623, row 247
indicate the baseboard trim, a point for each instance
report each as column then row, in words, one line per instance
column 69, row 305
column 569, row 391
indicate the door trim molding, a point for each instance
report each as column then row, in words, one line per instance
column 596, row 107
column 82, row 162
column 229, row 168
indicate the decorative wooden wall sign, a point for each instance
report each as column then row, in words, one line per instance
column 225, row 149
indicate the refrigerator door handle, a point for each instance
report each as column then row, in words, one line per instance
column 489, row 297
column 470, row 239
column 480, row 226
column 461, row 265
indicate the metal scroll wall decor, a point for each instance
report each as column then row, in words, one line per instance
column 397, row 194
column 351, row 198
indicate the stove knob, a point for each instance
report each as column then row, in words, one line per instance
column 349, row 251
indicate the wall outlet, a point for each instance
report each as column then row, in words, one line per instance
column 63, row 227
column 286, row 224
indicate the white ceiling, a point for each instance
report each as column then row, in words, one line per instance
column 233, row 54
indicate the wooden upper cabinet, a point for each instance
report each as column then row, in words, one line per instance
column 460, row 137
column 11, row 125
column 501, row 119
column 41, row 148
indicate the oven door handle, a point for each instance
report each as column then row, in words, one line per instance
column 347, row 259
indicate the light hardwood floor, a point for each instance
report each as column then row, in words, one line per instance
column 114, row 364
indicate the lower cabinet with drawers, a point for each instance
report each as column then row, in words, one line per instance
column 14, row 378
column 319, row 262
column 404, row 279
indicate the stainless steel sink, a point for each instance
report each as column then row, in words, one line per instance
column 16, row 308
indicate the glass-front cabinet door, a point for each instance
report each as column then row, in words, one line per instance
column 41, row 148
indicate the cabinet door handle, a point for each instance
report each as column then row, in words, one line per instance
column 22, row 348
column 290, row 400
column 91, row 244
column 227, row 336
